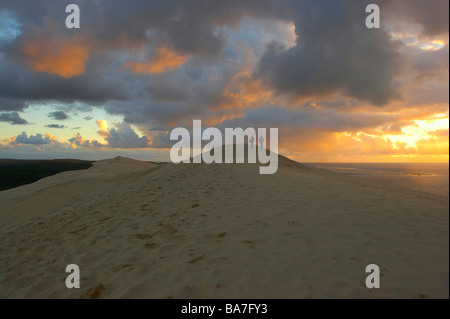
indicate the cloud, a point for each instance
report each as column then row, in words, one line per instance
column 166, row 87
column 334, row 53
column 61, row 56
column 58, row 115
column 19, row 86
column 162, row 60
column 442, row 133
column 55, row 126
column 433, row 19
column 102, row 125
column 13, row 118
column 319, row 119
column 37, row 139
column 122, row 136
column 436, row 145
column 430, row 60
column 78, row 140
column 12, row 104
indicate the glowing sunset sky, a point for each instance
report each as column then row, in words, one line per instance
column 337, row 91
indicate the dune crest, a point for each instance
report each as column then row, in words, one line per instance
column 120, row 165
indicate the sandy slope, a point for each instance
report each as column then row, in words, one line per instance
column 57, row 191
column 139, row 230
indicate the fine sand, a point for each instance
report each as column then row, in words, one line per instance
column 141, row 230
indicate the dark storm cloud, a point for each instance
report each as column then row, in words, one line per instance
column 13, row 118
column 12, row 104
column 167, row 87
column 433, row 16
column 18, row 84
column 334, row 52
column 189, row 25
column 430, row 60
column 192, row 97
column 55, row 126
column 322, row 119
column 58, row 115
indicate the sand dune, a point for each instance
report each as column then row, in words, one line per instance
column 63, row 189
column 139, row 230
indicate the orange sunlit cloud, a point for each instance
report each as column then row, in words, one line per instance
column 242, row 90
column 10, row 140
column 361, row 147
column 51, row 137
column 421, row 130
column 217, row 119
column 62, row 56
column 244, row 93
column 102, row 129
column 426, row 141
column 413, row 40
column 162, row 60
column 102, row 125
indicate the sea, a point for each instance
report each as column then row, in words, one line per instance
column 432, row 178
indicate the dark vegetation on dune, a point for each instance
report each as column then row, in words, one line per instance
column 14, row 173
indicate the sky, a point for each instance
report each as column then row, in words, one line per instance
column 336, row 90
